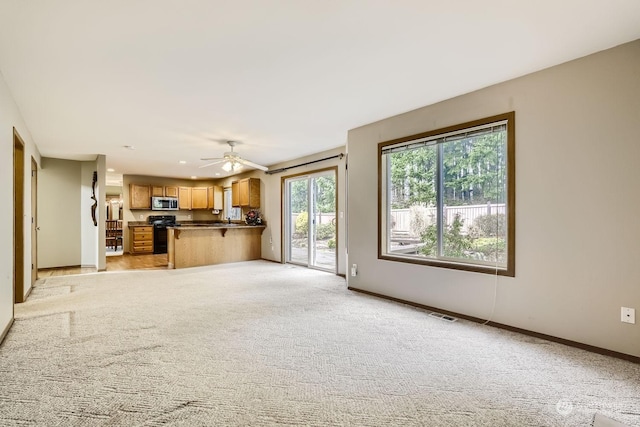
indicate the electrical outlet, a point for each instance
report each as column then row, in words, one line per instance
column 189, row 216
column 354, row 270
column 141, row 216
column 628, row 315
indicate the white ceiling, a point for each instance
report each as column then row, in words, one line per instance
column 286, row 78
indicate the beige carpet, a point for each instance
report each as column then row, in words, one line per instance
column 258, row 343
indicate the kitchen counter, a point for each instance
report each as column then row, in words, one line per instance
column 213, row 225
column 191, row 245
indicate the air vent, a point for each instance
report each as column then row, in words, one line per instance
column 444, row 317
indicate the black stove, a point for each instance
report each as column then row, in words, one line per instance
column 160, row 224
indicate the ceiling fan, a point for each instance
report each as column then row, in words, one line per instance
column 232, row 161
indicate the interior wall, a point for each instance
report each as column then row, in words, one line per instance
column 577, row 231
column 60, row 213
column 10, row 117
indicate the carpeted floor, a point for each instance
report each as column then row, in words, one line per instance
column 259, row 343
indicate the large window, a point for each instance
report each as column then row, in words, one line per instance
column 447, row 197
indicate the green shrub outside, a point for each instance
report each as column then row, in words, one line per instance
column 489, row 245
column 455, row 243
column 325, row 231
column 302, row 223
column 492, row 225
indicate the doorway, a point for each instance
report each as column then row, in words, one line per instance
column 18, row 218
column 310, row 226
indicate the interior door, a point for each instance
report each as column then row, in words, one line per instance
column 18, row 217
column 310, row 224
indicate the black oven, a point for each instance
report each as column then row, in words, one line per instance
column 160, row 224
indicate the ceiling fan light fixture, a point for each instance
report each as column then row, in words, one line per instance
column 231, row 165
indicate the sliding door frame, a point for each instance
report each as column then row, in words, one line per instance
column 283, row 212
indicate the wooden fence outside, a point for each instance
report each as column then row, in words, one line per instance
column 401, row 218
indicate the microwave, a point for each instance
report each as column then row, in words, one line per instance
column 164, row 203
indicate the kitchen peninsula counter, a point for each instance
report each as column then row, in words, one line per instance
column 192, row 245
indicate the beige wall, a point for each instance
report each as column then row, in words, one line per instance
column 10, row 117
column 59, row 238
column 577, row 204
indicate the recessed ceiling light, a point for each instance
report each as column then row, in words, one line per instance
column 129, row 147
column 111, row 170
column 217, row 173
column 194, row 177
column 183, row 162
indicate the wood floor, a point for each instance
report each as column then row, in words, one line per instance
column 114, row 263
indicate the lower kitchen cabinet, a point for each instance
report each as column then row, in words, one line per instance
column 141, row 238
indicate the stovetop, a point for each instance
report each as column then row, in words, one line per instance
column 161, row 220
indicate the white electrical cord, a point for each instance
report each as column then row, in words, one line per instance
column 495, row 285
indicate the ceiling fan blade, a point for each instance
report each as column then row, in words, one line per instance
column 212, row 163
column 213, row 158
column 251, row 164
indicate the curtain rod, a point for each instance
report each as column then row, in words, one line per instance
column 270, row 172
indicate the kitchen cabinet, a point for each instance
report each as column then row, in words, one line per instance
column 235, row 195
column 157, row 191
column 216, row 198
column 184, row 197
column 141, row 238
column 249, row 193
column 199, row 198
column 139, row 196
column 171, row 191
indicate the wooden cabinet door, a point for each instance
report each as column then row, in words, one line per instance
column 171, row 191
column 210, row 198
column 139, row 196
column 184, row 198
column 249, row 192
column 157, row 191
column 235, row 195
column 243, row 191
column 199, row 198
column 254, row 193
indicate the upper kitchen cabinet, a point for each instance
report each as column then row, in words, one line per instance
column 248, row 193
column 157, row 191
column 235, row 195
column 184, row 197
column 139, row 196
column 199, row 198
column 171, row 191
column 215, row 194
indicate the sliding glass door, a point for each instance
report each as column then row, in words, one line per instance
column 310, row 220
